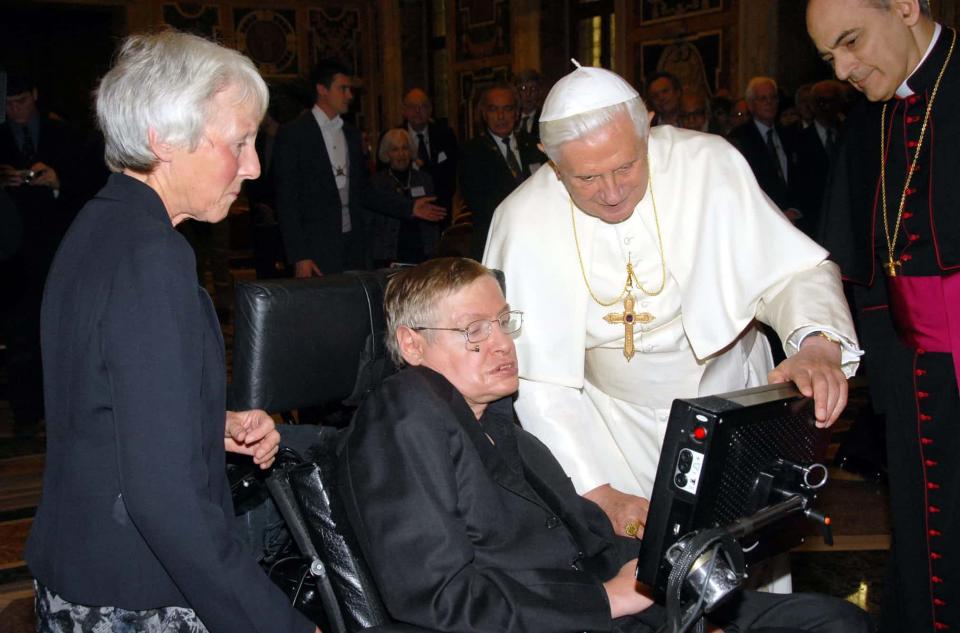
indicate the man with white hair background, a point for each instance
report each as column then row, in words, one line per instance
column 666, row 230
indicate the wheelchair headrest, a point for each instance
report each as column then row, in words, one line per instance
column 308, row 342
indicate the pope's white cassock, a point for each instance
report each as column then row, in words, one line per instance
column 730, row 257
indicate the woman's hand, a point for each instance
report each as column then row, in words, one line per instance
column 252, row 433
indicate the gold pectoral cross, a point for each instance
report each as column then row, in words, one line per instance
column 628, row 317
column 892, row 265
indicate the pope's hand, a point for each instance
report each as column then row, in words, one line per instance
column 627, row 513
column 252, row 433
column 815, row 369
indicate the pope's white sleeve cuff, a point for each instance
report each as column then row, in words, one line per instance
column 849, row 353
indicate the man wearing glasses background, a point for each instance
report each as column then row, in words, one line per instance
column 769, row 148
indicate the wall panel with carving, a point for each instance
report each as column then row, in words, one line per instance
column 479, row 38
column 693, row 39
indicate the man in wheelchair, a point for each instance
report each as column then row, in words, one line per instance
column 468, row 522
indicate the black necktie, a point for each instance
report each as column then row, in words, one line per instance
column 772, row 148
column 28, row 149
column 511, row 159
column 422, row 154
column 831, row 142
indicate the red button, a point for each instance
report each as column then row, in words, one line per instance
column 912, row 99
column 926, row 441
column 940, row 626
column 932, row 486
column 920, row 372
column 907, row 215
column 936, row 556
column 933, row 532
column 925, row 418
column 930, row 463
column 911, row 143
column 923, row 394
column 936, row 579
column 914, row 237
column 906, row 257
column 939, row 603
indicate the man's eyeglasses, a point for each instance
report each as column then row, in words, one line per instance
column 478, row 331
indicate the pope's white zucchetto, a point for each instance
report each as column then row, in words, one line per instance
column 585, row 89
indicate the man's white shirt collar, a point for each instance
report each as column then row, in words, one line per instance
column 325, row 122
column 904, row 90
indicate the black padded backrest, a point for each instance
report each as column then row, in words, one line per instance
column 314, row 485
column 306, row 342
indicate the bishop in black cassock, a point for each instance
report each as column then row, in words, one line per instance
column 904, row 258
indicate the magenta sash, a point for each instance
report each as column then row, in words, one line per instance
column 926, row 311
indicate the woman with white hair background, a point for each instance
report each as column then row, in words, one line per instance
column 135, row 527
column 394, row 240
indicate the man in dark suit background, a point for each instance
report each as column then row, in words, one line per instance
column 38, row 170
column 321, row 191
column 768, row 147
column 495, row 161
column 816, row 148
column 530, row 89
column 433, row 143
column 664, row 91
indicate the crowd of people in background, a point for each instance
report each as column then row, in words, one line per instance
column 323, row 205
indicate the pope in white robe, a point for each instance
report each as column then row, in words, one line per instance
column 710, row 254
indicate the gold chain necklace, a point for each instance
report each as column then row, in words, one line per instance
column 631, row 275
column 893, row 264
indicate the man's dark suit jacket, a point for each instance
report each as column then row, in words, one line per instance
column 308, row 204
column 443, row 145
column 136, row 509
column 45, row 218
column 753, row 146
column 465, row 535
column 813, row 168
column 534, row 133
column 485, row 180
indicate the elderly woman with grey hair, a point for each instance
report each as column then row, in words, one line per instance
column 394, row 240
column 134, row 529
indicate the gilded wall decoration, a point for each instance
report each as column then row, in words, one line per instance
column 336, row 32
column 659, row 10
column 482, row 28
column 269, row 38
column 695, row 60
column 193, row 17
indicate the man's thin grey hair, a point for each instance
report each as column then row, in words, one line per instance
column 391, row 139
column 553, row 134
column 166, row 82
column 751, row 90
column 413, row 294
column 885, row 4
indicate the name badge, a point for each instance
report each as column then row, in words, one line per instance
column 417, row 192
column 442, row 156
